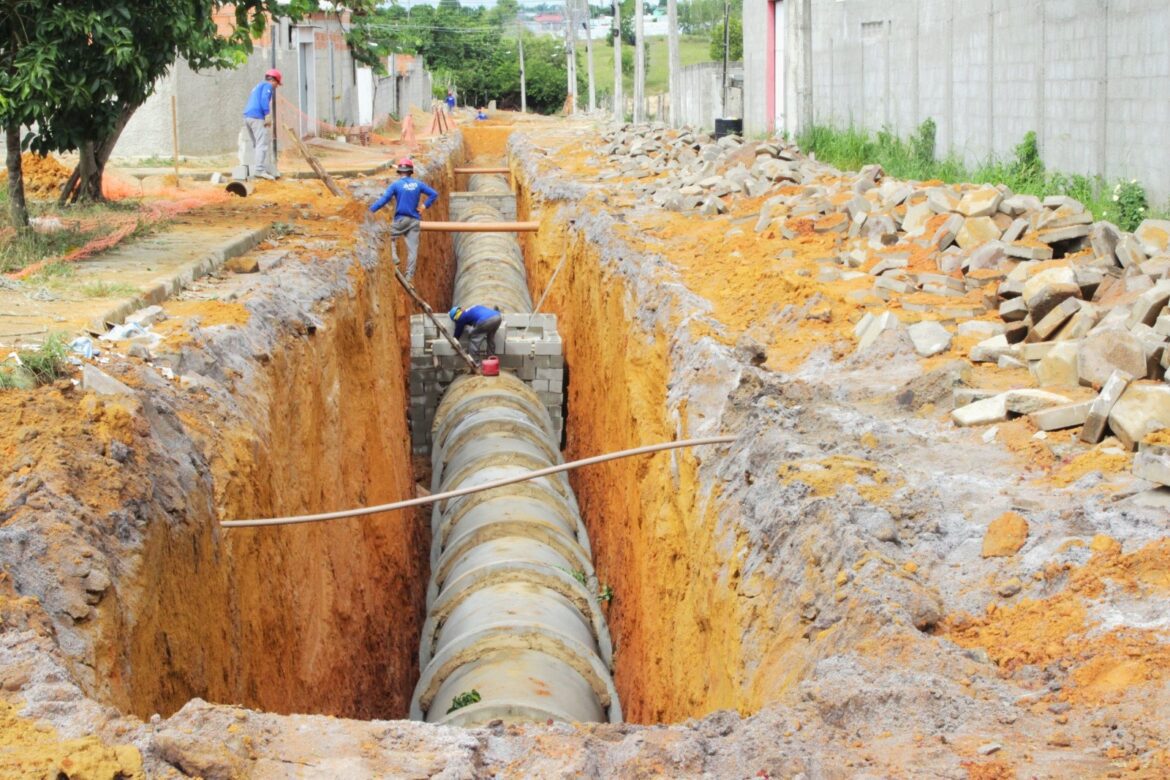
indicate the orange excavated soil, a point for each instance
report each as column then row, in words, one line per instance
column 1105, row 663
column 1097, row 459
column 210, row 313
column 31, row 751
column 826, row 476
column 43, row 176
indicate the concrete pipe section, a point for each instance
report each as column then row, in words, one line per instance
column 489, row 267
column 512, row 606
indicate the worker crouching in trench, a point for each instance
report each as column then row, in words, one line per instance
column 481, row 323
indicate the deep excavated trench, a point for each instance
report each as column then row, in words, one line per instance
column 328, row 618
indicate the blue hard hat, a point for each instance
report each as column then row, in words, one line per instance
column 455, row 313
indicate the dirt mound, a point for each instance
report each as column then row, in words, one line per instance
column 43, row 176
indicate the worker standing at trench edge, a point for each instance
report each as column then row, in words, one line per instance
column 256, row 122
column 407, row 212
column 483, row 322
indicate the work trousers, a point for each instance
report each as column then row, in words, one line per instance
column 258, row 134
column 483, row 337
column 408, row 227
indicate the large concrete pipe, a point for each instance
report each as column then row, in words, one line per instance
column 488, row 184
column 512, row 606
column 489, row 267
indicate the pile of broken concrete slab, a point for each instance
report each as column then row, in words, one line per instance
column 691, row 171
column 1080, row 303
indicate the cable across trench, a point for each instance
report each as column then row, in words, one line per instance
column 512, row 609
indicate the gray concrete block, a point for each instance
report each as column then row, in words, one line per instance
column 1102, row 405
column 1056, row 418
column 1144, row 407
column 1152, row 462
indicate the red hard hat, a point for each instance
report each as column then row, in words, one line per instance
column 406, row 163
column 274, row 73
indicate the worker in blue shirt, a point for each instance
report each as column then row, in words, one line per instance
column 407, row 212
column 450, row 101
column 483, row 323
column 256, row 122
column 481, row 114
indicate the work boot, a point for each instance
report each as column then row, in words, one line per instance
column 265, row 175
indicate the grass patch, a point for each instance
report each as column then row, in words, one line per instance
column 154, row 161
column 80, row 224
column 691, row 49
column 30, row 368
column 52, row 275
column 103, row 289
column 26, row 247
column 1124, row 203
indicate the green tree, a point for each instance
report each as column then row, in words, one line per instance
column 735, row 33
column 80, row 70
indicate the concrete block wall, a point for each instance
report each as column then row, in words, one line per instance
column 1090, row 77
column 700, row 99
column 505, row 204
column 528, row 346
column 211, row 102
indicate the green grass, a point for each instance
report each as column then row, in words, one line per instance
column 155, row 161
column 29, row 246
column 690, row 51
column 103, row 289
column 38, row 366
column 26, row 247
column 1123, row 203
column 52, row 275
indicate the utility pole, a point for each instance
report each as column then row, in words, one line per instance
column 272, row 36
column 673, row 62
column 806, row 80
column 589, row 54
column 571, row 52
column 619, row 100
column 726, row 53
column 639, row 63
column 523, row 79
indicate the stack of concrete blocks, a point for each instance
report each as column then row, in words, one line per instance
column 528, row 346
column 505, row 203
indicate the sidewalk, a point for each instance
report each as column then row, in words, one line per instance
column 114, row 284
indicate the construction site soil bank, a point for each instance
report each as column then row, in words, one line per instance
column 930, row 541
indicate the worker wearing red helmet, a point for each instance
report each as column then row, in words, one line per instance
column 406, row 193
column 256, row 121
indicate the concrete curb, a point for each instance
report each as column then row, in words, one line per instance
column 206, row 175
column 165, row 287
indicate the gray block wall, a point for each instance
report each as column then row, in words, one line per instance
column 528, row 346
column 505, row 204
column 1090, row 77
column 210, row 103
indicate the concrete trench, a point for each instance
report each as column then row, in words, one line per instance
column 512, row 611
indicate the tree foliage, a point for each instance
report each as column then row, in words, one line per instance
column 476, row 51
column 77, row 71
column 735, row 34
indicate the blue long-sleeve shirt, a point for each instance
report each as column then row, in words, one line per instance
column 405, row 192
column 473, row 316
column 259, row 102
